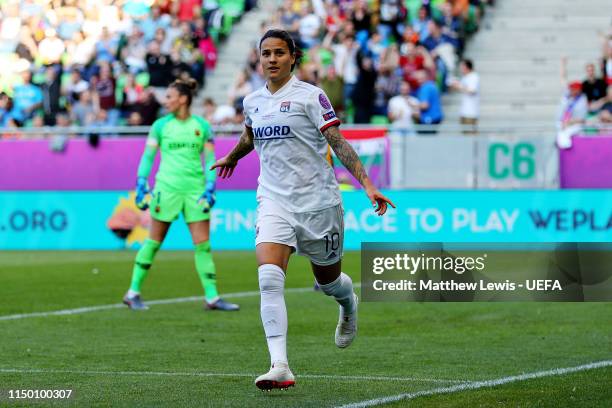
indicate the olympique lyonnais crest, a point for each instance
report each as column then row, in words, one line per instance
column 285, row 106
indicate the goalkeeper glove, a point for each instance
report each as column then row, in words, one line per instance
column 207, row 200
column 142, row 192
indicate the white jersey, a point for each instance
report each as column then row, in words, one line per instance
column 287, row 128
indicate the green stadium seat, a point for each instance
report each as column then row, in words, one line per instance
column 65, row 79
column 228, row 23
column 379, row 120
column 143, row 79
column 232, row 8
column 327, row 57
column 119, row 85
column 437, row 3
column 471, row 24
column 413, row 7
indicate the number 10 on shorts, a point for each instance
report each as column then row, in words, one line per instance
column 332, row 242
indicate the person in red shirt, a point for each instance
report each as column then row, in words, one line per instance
column 415, row 58
column 187, row 9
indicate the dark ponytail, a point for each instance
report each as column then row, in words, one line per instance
column 187, row 87
column 286, row 37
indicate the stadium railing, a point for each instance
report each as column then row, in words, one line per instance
column 501, row 129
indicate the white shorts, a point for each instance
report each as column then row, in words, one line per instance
column 318, row 235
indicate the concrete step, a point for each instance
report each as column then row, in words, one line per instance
column 588, row 8
column 531, row 109
column 510, row 101
column 528, row 36
column 534, row 66
column 520, row 83
column 507, row 117
column 553, row 23
column 537, row 46
column 233, row 54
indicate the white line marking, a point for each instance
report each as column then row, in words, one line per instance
column 152, row 302
column 474, row 385
column 197, row 374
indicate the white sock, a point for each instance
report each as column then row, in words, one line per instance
column 274, row 311
column 342, row 290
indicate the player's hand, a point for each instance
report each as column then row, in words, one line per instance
column 379, row 201
column 142, row 192
column 225, row 167
column 208, row 199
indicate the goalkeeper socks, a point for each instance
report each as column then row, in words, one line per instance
column 143, row 262
column 342, row 290
column 274, row 311
column 206, row 270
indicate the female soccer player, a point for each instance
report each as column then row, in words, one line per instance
column 180, row 186
column 290, row 123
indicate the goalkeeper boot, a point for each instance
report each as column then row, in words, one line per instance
column 134, row 302
column 279, row 377
column 222, row 305
column 347, row 327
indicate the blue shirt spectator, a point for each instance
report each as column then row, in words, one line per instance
column 106, row 47
column 420, row 24
column 6, row 116
column 429, row 99
column 436, row 37
column 26, row 99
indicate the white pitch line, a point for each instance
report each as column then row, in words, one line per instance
column 474, row 385
column 197, row 374
column 98, row 308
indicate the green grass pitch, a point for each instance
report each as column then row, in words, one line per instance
column 176, row 354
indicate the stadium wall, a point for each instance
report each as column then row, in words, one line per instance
column 109, row 220
column 32, row 165
column 588, row 163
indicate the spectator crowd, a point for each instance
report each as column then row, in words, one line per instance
column 587, row 102
column 381, row 61
column 99, row 62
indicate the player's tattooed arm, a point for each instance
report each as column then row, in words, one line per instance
column 346, row 154
column 244, row 146
column 350, row 159
column 227, row 164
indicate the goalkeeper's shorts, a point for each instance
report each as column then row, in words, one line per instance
column 166, row 206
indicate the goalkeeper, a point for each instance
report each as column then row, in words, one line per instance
column 180, row 187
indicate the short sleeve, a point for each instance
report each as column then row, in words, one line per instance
column 247, row 117
column 320, row 111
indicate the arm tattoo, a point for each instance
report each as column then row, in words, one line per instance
column 345, row 153
column 244, row 146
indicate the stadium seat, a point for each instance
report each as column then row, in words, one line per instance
column 143, row 79
column 413, row 7
column 232, row 8
column 379, row 120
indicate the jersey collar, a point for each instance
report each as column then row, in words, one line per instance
column 284, row 88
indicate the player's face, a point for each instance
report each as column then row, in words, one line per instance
column 276, row 60
column 174, row 100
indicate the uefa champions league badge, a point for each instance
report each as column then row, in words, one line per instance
column 324, row 102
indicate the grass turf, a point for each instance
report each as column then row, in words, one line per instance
column 171, row 354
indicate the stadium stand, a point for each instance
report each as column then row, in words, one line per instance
column 104, row 63
column 91, row 63
column 362, row 50
column 518, row 54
